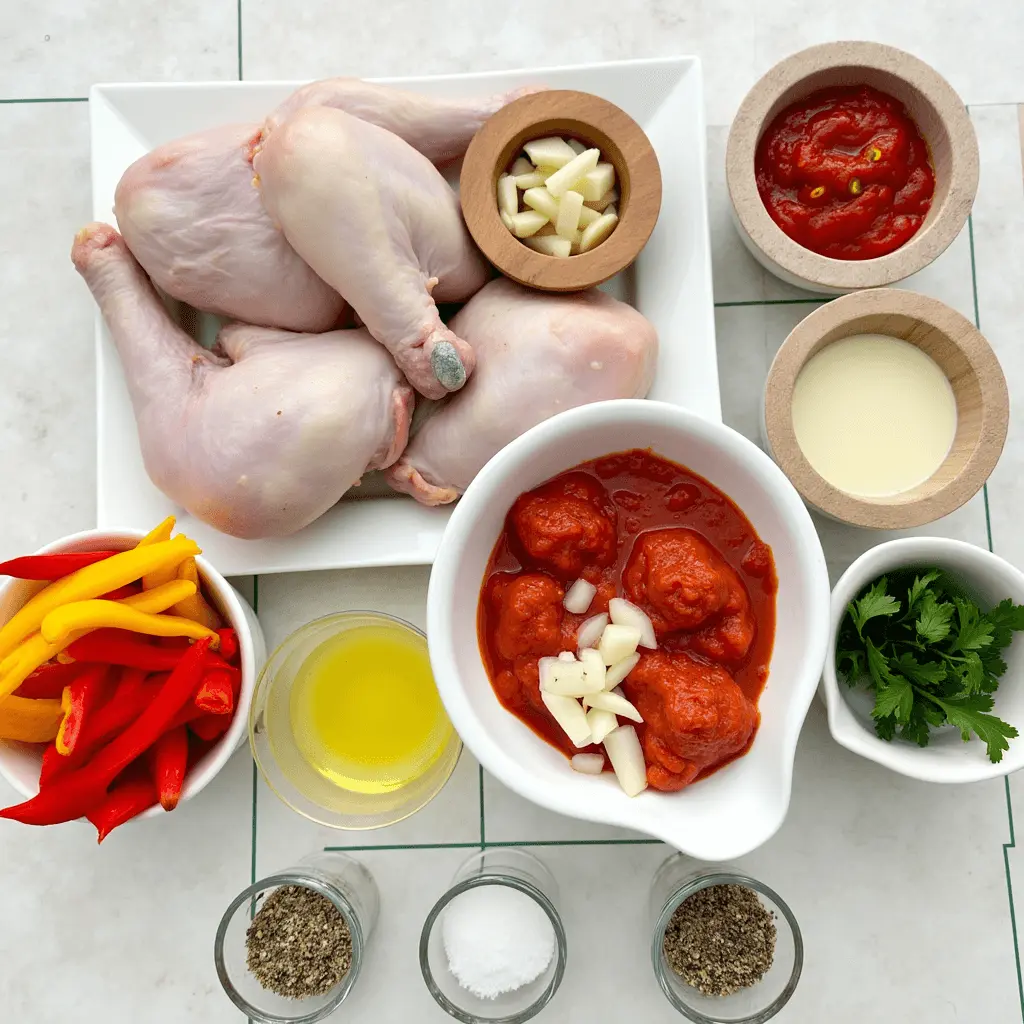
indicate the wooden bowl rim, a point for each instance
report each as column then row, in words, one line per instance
column 897, row 512
column 509, row 255
column 928, row 243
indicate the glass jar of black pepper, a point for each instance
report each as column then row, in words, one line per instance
column 725, row 948
column 289, row 947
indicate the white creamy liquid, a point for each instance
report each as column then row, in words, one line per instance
column 874, row 415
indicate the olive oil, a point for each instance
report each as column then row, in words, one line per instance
column 365, row 713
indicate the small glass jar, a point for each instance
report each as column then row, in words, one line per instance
column 496, row 866
column 348, row 885
column 676, row 881
column 285, row 768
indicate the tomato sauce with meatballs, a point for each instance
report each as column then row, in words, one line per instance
column 638, row 527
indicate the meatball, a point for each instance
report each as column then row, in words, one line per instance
column 695, row 716
column 683, row 583
column 529, row 613
column 567, row 524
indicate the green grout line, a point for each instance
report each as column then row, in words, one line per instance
column 238, row 22
column 974, row 274
column 1009, row 892
column 819, row 300
column 483, row 830
column 496, row 845
column 47, row 99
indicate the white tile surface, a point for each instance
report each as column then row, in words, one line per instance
column 900, row 887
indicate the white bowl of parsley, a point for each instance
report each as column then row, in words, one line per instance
column 926, row 673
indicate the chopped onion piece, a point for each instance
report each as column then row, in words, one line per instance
column 570, row 716
column 625, row 613
column 593, row 669
column 623, row 748
column 601, row 723
column 613, row 702
column 566, row 656
column 587, row 764
column 618, row 642
column 565, row 678
column 617, row 672
column 590, row 630
column 579, row 596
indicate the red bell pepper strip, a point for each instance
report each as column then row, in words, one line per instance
column 49, row 681
column 168, row 761
column 126, row 800
column 123, row 647
column 82, row 699
column 128, row 590
column 51, row 567
column 210, row 727
column 228, row 645
column 216, row 694
column 82, row 790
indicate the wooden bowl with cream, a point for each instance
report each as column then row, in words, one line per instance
column 886, row 409
column 930, row 103
column 595, row 123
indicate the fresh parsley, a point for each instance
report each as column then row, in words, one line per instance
column 931, row 656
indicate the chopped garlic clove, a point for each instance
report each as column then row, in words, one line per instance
column 618, row 642
column 567, row 223
column 613, row 702
column 597, row 182
column 625, row 613
column 587, row 764
column 579, row 597
column 565, row 177
column 529, row 222
column 593, row 668
column 549, row 152
column 617, row 672
column 570, row 716
column 601, row 723
column 627, row 758
column 590, row 630
column 550, row 245
column 597, row 232
column 508, row 197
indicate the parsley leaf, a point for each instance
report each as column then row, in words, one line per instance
column 874, row 603
column 929, row 673
column 933, row 619
column 975, row 632
column 968, row 715
column 916, row 730
column 920, row 587
column 878, row 666
column 971, row 673
column 895, row 698
column 1006, row 618
column 885, row 728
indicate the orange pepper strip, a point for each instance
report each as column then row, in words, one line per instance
column 82, row 615
column 30, row 721
column 158, row 578
column 196, row 606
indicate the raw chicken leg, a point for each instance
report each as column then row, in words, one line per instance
column 262, row 441
column 537, row 354
column 440, row 129
column 375, row 219
column 191, row 217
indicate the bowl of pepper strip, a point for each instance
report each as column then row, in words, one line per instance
column 127, row 665
column 850, row 165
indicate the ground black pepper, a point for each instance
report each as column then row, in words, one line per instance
column 298, row 944
column 721, row 939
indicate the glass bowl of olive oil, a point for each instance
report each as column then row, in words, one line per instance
column 346, row 723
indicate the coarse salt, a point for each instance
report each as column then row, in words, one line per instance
column 497, row 939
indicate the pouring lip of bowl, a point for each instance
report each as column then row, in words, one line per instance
column 964, row 355
column 851, row 62
column 251, row 647
column 968, row 762
column 601, row 800
column 621, row 141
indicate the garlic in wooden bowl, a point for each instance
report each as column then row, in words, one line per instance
column 559, row 197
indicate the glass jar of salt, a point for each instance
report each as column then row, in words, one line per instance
column 493, row 946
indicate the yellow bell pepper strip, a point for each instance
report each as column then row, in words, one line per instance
column 158, row 533
column 36, row 651
column 196, row 606
column 82, row 615
column 31, row 721
column 92, row 581
column 158, row 577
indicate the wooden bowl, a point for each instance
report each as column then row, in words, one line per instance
column 593, row 121
column 967, row 359
column 936, row 109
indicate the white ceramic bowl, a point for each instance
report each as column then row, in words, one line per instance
column 738, row 807
column 20, row 762
column 989, row 579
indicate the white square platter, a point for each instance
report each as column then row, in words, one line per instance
column 670, row 284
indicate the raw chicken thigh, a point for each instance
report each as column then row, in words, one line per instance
column 440, row 129
column 375, row 219
column 537, row 354
column 258, row 442
column 191, row 217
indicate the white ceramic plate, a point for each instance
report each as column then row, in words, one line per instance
column 670, row 284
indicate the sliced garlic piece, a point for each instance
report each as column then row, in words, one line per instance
column 593, row 667
column 625, row 613
column 618, row 642
column 570, row 716
column 601, row 723
column 627, row 757
column 617, row 672
column 587, row 764
column 613, row 702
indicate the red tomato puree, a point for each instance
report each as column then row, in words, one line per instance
column 640, row 527
column 846, row 173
